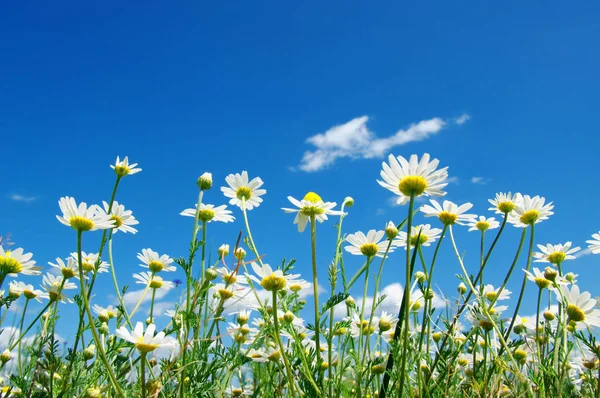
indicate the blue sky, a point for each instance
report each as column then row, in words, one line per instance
column 242, row 86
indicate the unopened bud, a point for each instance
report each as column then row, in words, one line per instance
column 288, row 317
column 205, row 182
column 5, row 356
column 223, row 250
column 240, row 254
column 210, row 274
column 570, row 277
column 349, row 201
column 391, row 231
column 462, row 289
column 89, row 352
column 103, row 329
column 550, row 274
column 548, row 315
column 420, row 276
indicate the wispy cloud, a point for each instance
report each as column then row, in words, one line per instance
column 131, row 298
column 355, row 140
column 462, row 119
column 583, row 252
column 479, row 180
column 22, row 198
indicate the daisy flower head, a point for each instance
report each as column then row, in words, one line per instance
column 555, row 254
column 581, row 307
column 154, row 281
column 28, row 291
column 505, row 203
column 530, row 211
column 208, row 213
column 55, row 287
column 105, row 313
column 13, row 262
column 242, row 191
column 122, row 218
column 155, row 262
column 123, row 168
column 147, row 341
column 448, row 213
column 483, row 224
column 369, row 245
column 386, row 322
column 205, row 181
column 492, row 294
column 68, row 270
column 594, row 243
column 311, row 206
column 413, row 177
column 90, row 262
column 271, row 280
column 424, row 235
column 81, row 217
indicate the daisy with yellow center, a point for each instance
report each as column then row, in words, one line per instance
column 492, row 294
column 423, row 235
column 242, row 190
column 369, row 245
column 448, row 213
column 311, row 206
column 145, row 342
column 122, row 218
column 55, row 287
column 505, row 203
column 105, row 313
column 68, row 270
column 271, row 280
column 530, row 211
column 123, row 168
column 483, row 224
column 555, row 254
column 209, row 213
column 13, row 262
column 90, row 263
column 413, row 177
column 153, row 281
column 155, row 262
column 81, row 217
column 27, row 290
column 580, row 307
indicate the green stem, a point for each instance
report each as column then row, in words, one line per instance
column 362, row 317
column 537, row 325
column 313, row 235
column 143, row 373
column 152, row 305
column 30, row 326
column 20, row 333
column 288, row 369
column 114, row 278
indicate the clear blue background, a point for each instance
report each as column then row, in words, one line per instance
column 224, row 87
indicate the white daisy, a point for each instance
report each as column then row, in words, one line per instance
column 594, row 243
column 448, row 213
column 427, row 236
column 155, row 262
column 360, row 327
column 52, row 285
column 555, row 254
column 261, row 355
column 28, row 291
column 89, row 262
column 271, row 280
column 413, row 177
column 581, row 307
column 82, row 217
column 545, row 280
column 122, row 218
column 105, row 313
column 13, row 262
column 492, row 294
column 154, row 281
column 210, row 213
column 240, row 188
column 145, row 341
column 505, row 202
column 68, row 270
column 311, row 205
column 369, row 245
column 529, row 211
column 483, row 224
column 123, row 168
column 386, row 322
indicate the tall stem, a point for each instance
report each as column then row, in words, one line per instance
column 288, row 368
column 20, row 332
column 313, row 235
column 143, row 373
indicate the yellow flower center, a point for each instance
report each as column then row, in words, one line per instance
column 491, row 296
column 274, row 356
column 29, row 294
column 81, row 223
column 156, row 266
column 463, row 362
column 530, row 217
column 273, row 282
column 206, row 215
column 364, row 327
column 384, row 325
column 542, row 282
column 145, row 347
column 414, row 305
column 486, row 325
column 121, row 170
column 482, row 225
column 378, row 369
column 243, row 193
column 447, row 218
column 230, row 278
column 575, row 313
column 67, row 272
column 295, row 287
column 9, row 265
column 412, row 185
column 236, row 392
column 87, row 266
column 418, row 239
column 312, row 197
column 506, row 207
column 520, row 355
column 156, row 282
column 557, row 257
column 369, row 249
column 225, row 294
column 118, row 221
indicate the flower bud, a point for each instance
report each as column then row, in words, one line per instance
column 223, row 250
column 549, row 316
column 93, row 392
column 570, row 277
column 550, row 274
column 240, row 254
column 205, row 182
column 288, row 317
column 348, row 201
column 428, row 294
column 103, row 316
column 350, row 302
column 210, row 274
column 436, row 336
column 420, row 276
column 5, row 356
column 391, row 231
column 103, row 329
column 462, row 289
column 89, row 352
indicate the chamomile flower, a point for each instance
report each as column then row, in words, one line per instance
column 155, row 262
column 83, row 218
column 424, row 233
column 154, row 281
column 594, row 243
column 123, row 168
column 208, row 213
column 147, row 341
column 122, row 218
column 530, row 210
column 105, row 313
column 28, row 291
column 68, row 270
column 413, row 177
column 581, row 307
column 555, row 254
column 360, row 327
column 55, row 287
column 505, row 202
column 523, row 324
column 297, row 285
column 271, row 280
column 386, row 322
column 493, row 294
column 13, row 262
column 369, row 245
column 241, row 190
column 448, row 213
column 311, row 206
column 89, row 262
column 483, row 224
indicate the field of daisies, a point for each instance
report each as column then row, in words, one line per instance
column 243, row 328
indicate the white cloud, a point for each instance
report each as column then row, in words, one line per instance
column 354, row 140
column 379, row 212
column 162, row 306
column 583, row 252
column 452, row 180
column 22, row 198
column 478, row 180
column 462, row 119
column 131, row 298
